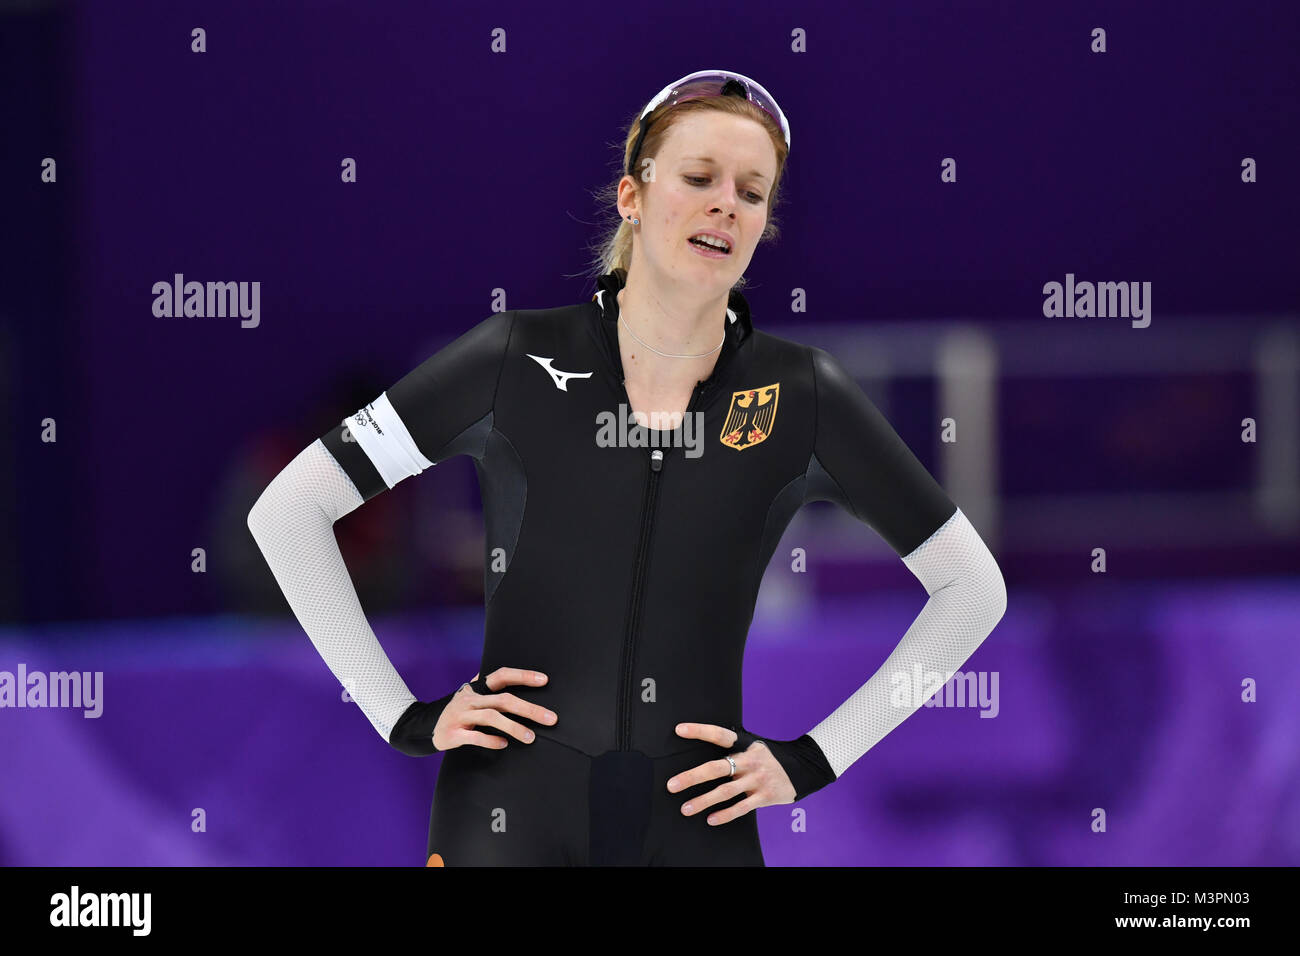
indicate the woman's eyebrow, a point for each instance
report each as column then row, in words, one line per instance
column 710, row 159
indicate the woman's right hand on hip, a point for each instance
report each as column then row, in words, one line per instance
column 469, row 709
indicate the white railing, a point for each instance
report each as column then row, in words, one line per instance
column 966, row 360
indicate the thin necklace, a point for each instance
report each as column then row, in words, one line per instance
column 671, row 354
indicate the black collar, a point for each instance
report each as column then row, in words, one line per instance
column 611, row 282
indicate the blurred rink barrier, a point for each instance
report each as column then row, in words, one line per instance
column 1175, row 448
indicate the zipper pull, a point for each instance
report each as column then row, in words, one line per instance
column 656, row 459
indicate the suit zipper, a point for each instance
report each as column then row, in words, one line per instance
column 638, row 586
column 634, row 607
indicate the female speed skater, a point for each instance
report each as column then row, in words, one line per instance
column 622, row 566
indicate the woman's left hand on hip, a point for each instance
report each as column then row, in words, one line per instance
column 758, row 773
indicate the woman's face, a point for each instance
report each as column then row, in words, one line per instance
column 714, row 173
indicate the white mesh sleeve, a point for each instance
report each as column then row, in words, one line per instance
column 967, row 599
column 292, row 523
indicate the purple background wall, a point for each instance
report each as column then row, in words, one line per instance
column 475, row 172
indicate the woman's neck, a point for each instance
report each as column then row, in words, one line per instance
column 677, row 332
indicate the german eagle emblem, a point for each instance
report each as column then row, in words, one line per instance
column 751, row 417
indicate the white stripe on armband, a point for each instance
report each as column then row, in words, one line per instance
column 378, row 429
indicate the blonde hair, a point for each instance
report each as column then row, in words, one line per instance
column 614, row 248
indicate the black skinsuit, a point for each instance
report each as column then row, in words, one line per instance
column 631, row 572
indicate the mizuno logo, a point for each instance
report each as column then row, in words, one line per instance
column 561, row 378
